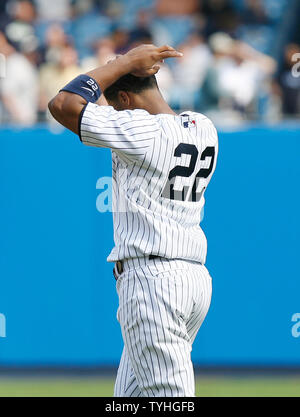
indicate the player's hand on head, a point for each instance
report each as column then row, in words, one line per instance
column 143, row 73
column 145, row 59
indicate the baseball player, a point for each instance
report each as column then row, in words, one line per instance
column 162, row 164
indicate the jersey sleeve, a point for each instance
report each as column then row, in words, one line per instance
column 127, row 131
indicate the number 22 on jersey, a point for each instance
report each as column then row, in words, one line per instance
column 189, row 192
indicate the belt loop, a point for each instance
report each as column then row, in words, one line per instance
column 131, row 262
column 119, row 267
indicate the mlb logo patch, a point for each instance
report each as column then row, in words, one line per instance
column 187, row 121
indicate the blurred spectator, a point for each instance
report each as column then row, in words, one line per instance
column 257, row 27
column 49, row 38
column 3, row 5
column 189, row 72
column 19, row 89
column 237, row 74
column 55, row 74
column 191, row 69
column 255, row 13
column 53, row 10
column 220, row 15
column 121, row 40
column 142, row 32
column 18, row 25
column 176, row 7
column 175, row 20
column 56, row 39
column 81, row 7
column 87, row 28
column 105, row 50
column 290, row 81
column 125, row 13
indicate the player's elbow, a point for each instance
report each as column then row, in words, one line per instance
column 65, row 108
column 55, row 106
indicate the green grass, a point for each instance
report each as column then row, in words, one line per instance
column 102, row 387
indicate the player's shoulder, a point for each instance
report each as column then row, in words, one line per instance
column 199, row 118
column 199, row 123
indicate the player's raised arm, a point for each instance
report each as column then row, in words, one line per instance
column 142, row 61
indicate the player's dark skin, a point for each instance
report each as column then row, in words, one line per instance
column 142, row 61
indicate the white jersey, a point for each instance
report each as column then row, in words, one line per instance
column 162, row 165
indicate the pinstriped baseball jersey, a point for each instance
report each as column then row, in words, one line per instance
column 162, row 165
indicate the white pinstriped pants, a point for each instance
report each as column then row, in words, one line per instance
column 162, row 304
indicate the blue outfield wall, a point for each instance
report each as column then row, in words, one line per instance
column 57, row 294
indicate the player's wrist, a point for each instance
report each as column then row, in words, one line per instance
column 84, row 86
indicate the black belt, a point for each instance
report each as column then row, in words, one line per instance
column 119, row 266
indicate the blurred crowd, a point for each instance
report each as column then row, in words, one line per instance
column 237, row 63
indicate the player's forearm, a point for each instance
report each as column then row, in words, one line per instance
column 66, row 107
